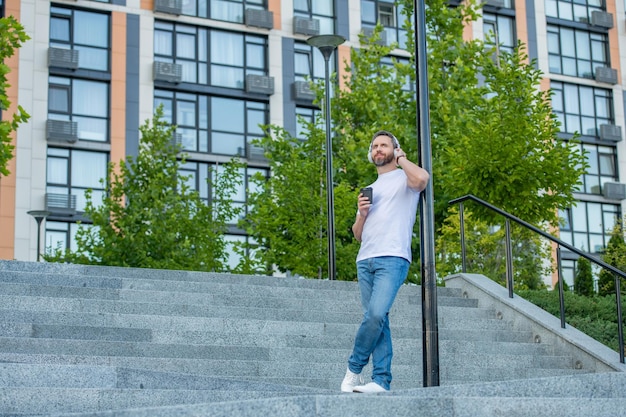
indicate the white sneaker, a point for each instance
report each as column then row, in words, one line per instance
column 371, row 388
column 350, row 381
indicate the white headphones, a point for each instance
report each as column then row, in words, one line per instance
column 395, row 142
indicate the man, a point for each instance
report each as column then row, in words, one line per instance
column 384, row 226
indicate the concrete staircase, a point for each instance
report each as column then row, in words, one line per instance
column 85, row 340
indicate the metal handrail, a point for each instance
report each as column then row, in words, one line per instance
column 618, row 274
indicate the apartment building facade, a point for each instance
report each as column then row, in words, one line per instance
column 95, row 70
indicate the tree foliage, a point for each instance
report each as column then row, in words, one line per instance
column 583, row 280
column 492, row 129
column 485, row 247
column 150, row 217
column 12, row 36
column 614, row 255
column 595, row 316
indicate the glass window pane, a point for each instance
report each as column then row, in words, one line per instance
column 90, row 98
column 228, row 144
column 56, row 170
column 58, row 99
column 227, row 48
column 59, row 29
column 323, row 7
column 581, row 241
column 571, row 100
column 226, row 10
column 91, row 29
column 163, row 43
column 185, row 46
column 92, row 129
column 586, row 101
column 255, row 120
column 88, row 168
column 255, row 55
column 596, row 243
column 579, row 217
column 54, row 239
column 583, row 50
column 301, row 5
column 227, row 115
column 607, row 164
column 186, row 113
column 227, row 77
column 594, row 213
column 368, row 11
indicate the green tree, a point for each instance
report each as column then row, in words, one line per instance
column 614, row 255
column 150, row 217
column 12, row 36
column 493, row 135
column 485, row 247
column 583, row 280
column 288, row 218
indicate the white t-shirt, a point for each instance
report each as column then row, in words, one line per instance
column 388, row 228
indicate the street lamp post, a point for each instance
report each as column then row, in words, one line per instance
column 327, row 44
column 430, row 326
column 39, row 215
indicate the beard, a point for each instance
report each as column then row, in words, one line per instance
column 382, row 160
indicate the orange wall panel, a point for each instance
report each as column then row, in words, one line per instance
column 7, row 184
column 118, row 87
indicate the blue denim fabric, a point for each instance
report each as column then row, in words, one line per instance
column 379, row 281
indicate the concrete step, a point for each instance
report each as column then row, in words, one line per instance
column 48, row 401
column 222, row 295
column 291, row 309
column 583, row 395
column 86, row 339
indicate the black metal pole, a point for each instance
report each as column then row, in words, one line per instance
column 620, row 327
column 509, row 258
column 330, row 192
column 327, row 44
column 430, row 331
column 39, row 216
column 38, row 220
column 561, row 283
column 462, row 230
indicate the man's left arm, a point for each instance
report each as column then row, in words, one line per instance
column 417, row 177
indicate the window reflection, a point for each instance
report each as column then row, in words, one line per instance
column 588, row 225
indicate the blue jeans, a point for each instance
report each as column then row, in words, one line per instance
column 379, row 282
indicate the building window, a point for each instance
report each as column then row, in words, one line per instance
column 574, row 10
column 390, row 15
column 576, row 52
column 322, row 10
column 61, row 236
column 588, row 225
column 602, row 167
column 215, row 125
column 499, row 31
column 227, row 10
column 211, row 57
column 230, row 10
column 392, row 61
column 240, row 197
column 71, row 172
column 83, row 31
column 196, row 176
column 305, row 117
column 582, row 108
column 82, row 101
column 309, row 63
